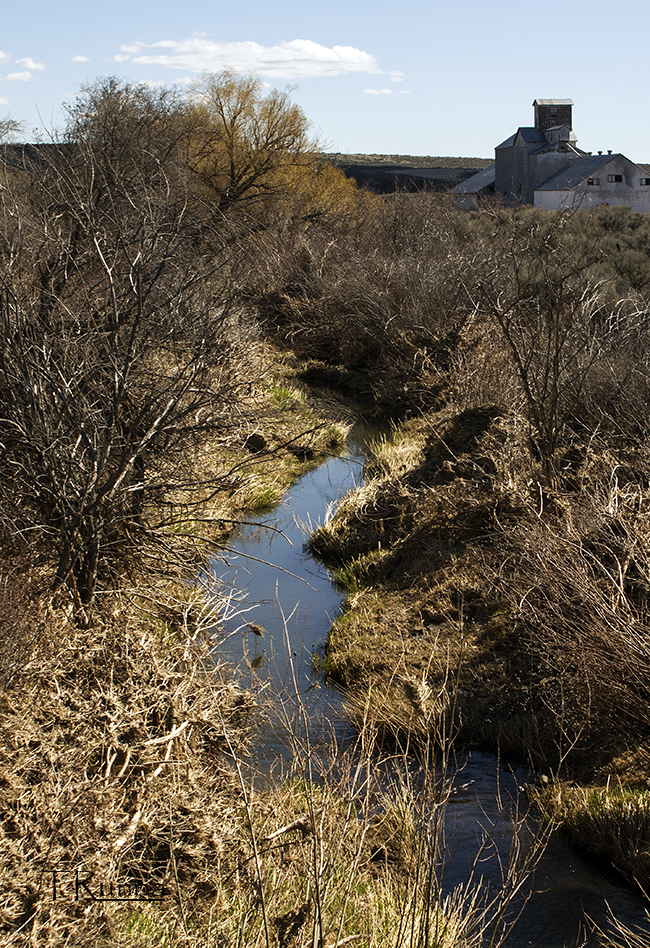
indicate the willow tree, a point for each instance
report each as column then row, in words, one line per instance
column 242, row 141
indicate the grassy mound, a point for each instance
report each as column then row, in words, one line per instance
column 466, row 574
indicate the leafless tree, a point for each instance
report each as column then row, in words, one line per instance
column 560, row 322
column 120, row 343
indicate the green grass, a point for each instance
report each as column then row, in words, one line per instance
column 264, row 498
column 353, row 577
column 286, row 396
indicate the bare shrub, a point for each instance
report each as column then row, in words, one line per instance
column 581, row 583
column 386, row 301
column 612, row 821
column 121, row 349
column 570, row 338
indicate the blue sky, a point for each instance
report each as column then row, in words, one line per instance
column 419, row 78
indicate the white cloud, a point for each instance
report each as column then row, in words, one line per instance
column 296, row 59
column 25, row 74
column 79, row 59
column 377, row 91
column 29, row 63
column 4, row 100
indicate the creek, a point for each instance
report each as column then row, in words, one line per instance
column 281, row 605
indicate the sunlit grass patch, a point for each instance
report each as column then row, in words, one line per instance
column 395, row 455
column 406, row 710
column 335, row 435
column 286, row 395
column 354, row 576
column 334, row 539
column 611, row 821
column 262, row 497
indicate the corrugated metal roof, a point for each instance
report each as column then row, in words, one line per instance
column 482, row 179
column 552, row 146
column 575, row 172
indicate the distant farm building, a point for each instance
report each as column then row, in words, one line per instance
column 543, row 166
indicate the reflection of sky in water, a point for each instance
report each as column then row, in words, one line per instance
column 565, row 887
column 276, row 584
column 288, row 586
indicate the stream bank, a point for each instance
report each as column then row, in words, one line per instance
column 276, row 620
column 467, row 576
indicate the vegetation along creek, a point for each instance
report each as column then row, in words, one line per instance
column 184, row 276
column 281, row 605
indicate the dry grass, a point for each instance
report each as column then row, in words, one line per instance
column 322, row 880
column 391, row 457
column 119, row 738
column 115, row 745
column 122, row 760
column 282, row 433
column 522, row 611
column 350, row 847
column 620, row 936
column 414, row 542
column 451, row 540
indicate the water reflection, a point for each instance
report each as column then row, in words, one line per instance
column 279, row 587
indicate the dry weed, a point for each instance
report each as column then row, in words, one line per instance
column 114, row 778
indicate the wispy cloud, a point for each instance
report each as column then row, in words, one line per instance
column 4, row 100
column 79, row 59
column 377, row 91
column 295, row 59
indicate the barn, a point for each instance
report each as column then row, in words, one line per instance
column 542, row 165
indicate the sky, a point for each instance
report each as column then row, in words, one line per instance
column 412, row 78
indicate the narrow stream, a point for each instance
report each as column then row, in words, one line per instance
column 281, row 607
